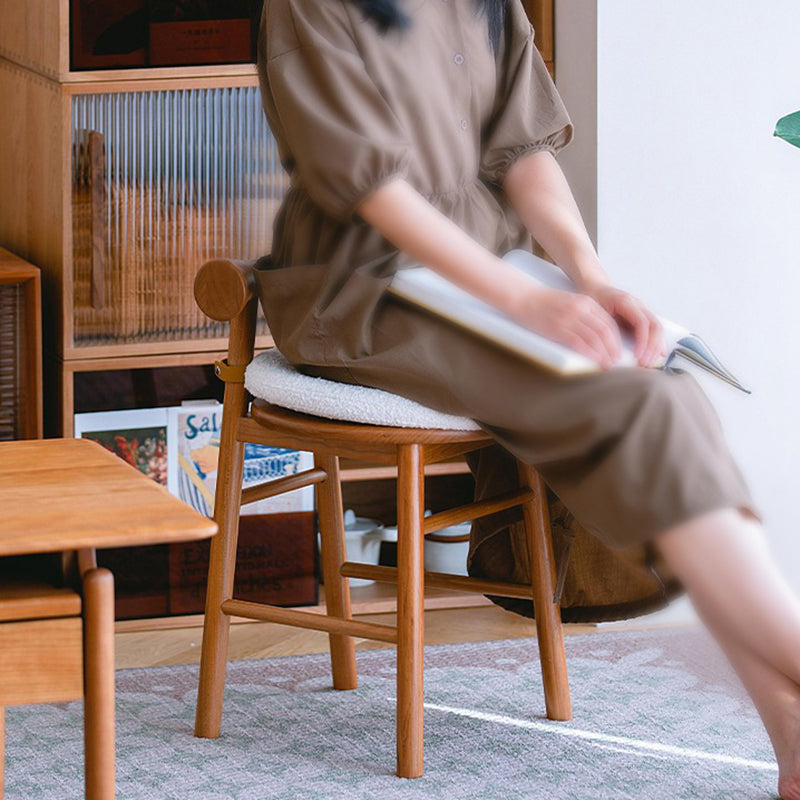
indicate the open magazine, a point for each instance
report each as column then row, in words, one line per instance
column 425, row 287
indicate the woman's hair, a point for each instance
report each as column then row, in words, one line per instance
column 388, row 14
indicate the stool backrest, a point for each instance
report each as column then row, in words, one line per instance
column 225, row 290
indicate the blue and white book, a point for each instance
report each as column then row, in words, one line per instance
column 427, row 288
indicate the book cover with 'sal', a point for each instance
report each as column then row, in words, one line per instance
column 425, row 287
column 193, row 435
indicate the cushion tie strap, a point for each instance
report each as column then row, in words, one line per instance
column 229, row 374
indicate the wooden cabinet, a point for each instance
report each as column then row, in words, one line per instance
column 119, row 183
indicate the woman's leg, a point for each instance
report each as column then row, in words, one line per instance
column 723, row 562
column 777, row 700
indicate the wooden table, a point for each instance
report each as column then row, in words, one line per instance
column 58, row 643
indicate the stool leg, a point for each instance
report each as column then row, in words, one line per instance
column 410, row 609
column 222, row 565
column 548, row 615
column 98, row 690
column 337, row 588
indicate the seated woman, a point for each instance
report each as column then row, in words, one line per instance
column 425, row 131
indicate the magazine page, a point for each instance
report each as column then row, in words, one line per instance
column 137, row 436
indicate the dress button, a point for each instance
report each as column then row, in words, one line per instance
column 464, row 124
column 458, row 59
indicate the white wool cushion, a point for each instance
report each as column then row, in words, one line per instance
column 274, row 379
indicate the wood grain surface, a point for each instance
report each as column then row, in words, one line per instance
column 61, row 494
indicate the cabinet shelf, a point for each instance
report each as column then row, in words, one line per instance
column 114, row 79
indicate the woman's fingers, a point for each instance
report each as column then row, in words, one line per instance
column 649, row 337
column 657, row 344
column 576, row 320
column 631, row 312
column 585, row 340
column 647, row 330
column 596, row 330
column 607, row 332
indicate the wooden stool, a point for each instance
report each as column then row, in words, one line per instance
column 58, row 643
column 225, row 292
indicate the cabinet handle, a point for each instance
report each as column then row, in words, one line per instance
column 97, row 182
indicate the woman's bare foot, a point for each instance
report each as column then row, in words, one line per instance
column 787, row 751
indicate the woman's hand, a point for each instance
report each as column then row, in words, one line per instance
column 576, row 320
column 539, row 192
column 633, row 314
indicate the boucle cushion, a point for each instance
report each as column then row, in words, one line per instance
column 274, row 379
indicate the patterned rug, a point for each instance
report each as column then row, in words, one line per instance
column 657, row 716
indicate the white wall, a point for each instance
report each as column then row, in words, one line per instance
column 695, row 205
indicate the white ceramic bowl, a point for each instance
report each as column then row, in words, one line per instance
column 449, row 557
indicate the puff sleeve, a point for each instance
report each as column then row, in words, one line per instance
column 337, row 135
column 528, row 113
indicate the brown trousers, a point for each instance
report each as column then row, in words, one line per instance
column 626, row 453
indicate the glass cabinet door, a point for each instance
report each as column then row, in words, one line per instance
column 161, row 182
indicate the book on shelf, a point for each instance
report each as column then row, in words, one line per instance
column 183, row 32
column 193, row 433
column 425, row 287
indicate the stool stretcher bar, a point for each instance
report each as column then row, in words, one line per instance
column 311, row 620
column 439, row 580
column 480, row 508
column 280, row 485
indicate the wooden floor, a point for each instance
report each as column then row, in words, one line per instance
column 267, row 640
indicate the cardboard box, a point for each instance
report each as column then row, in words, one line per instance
column 276, row 564
column 141, row 580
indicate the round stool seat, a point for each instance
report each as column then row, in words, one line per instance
column 270, row 377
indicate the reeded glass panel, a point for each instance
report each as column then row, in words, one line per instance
column 11, row 361
column 163, row 181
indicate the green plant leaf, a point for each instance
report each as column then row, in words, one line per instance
column 788, row 128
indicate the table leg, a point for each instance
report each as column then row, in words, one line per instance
column 98, row 667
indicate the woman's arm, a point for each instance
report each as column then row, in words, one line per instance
column 540, row 194
column 412, row 224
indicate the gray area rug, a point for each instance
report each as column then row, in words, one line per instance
column 657, row 716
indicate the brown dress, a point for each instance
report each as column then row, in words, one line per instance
column 626, row 453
